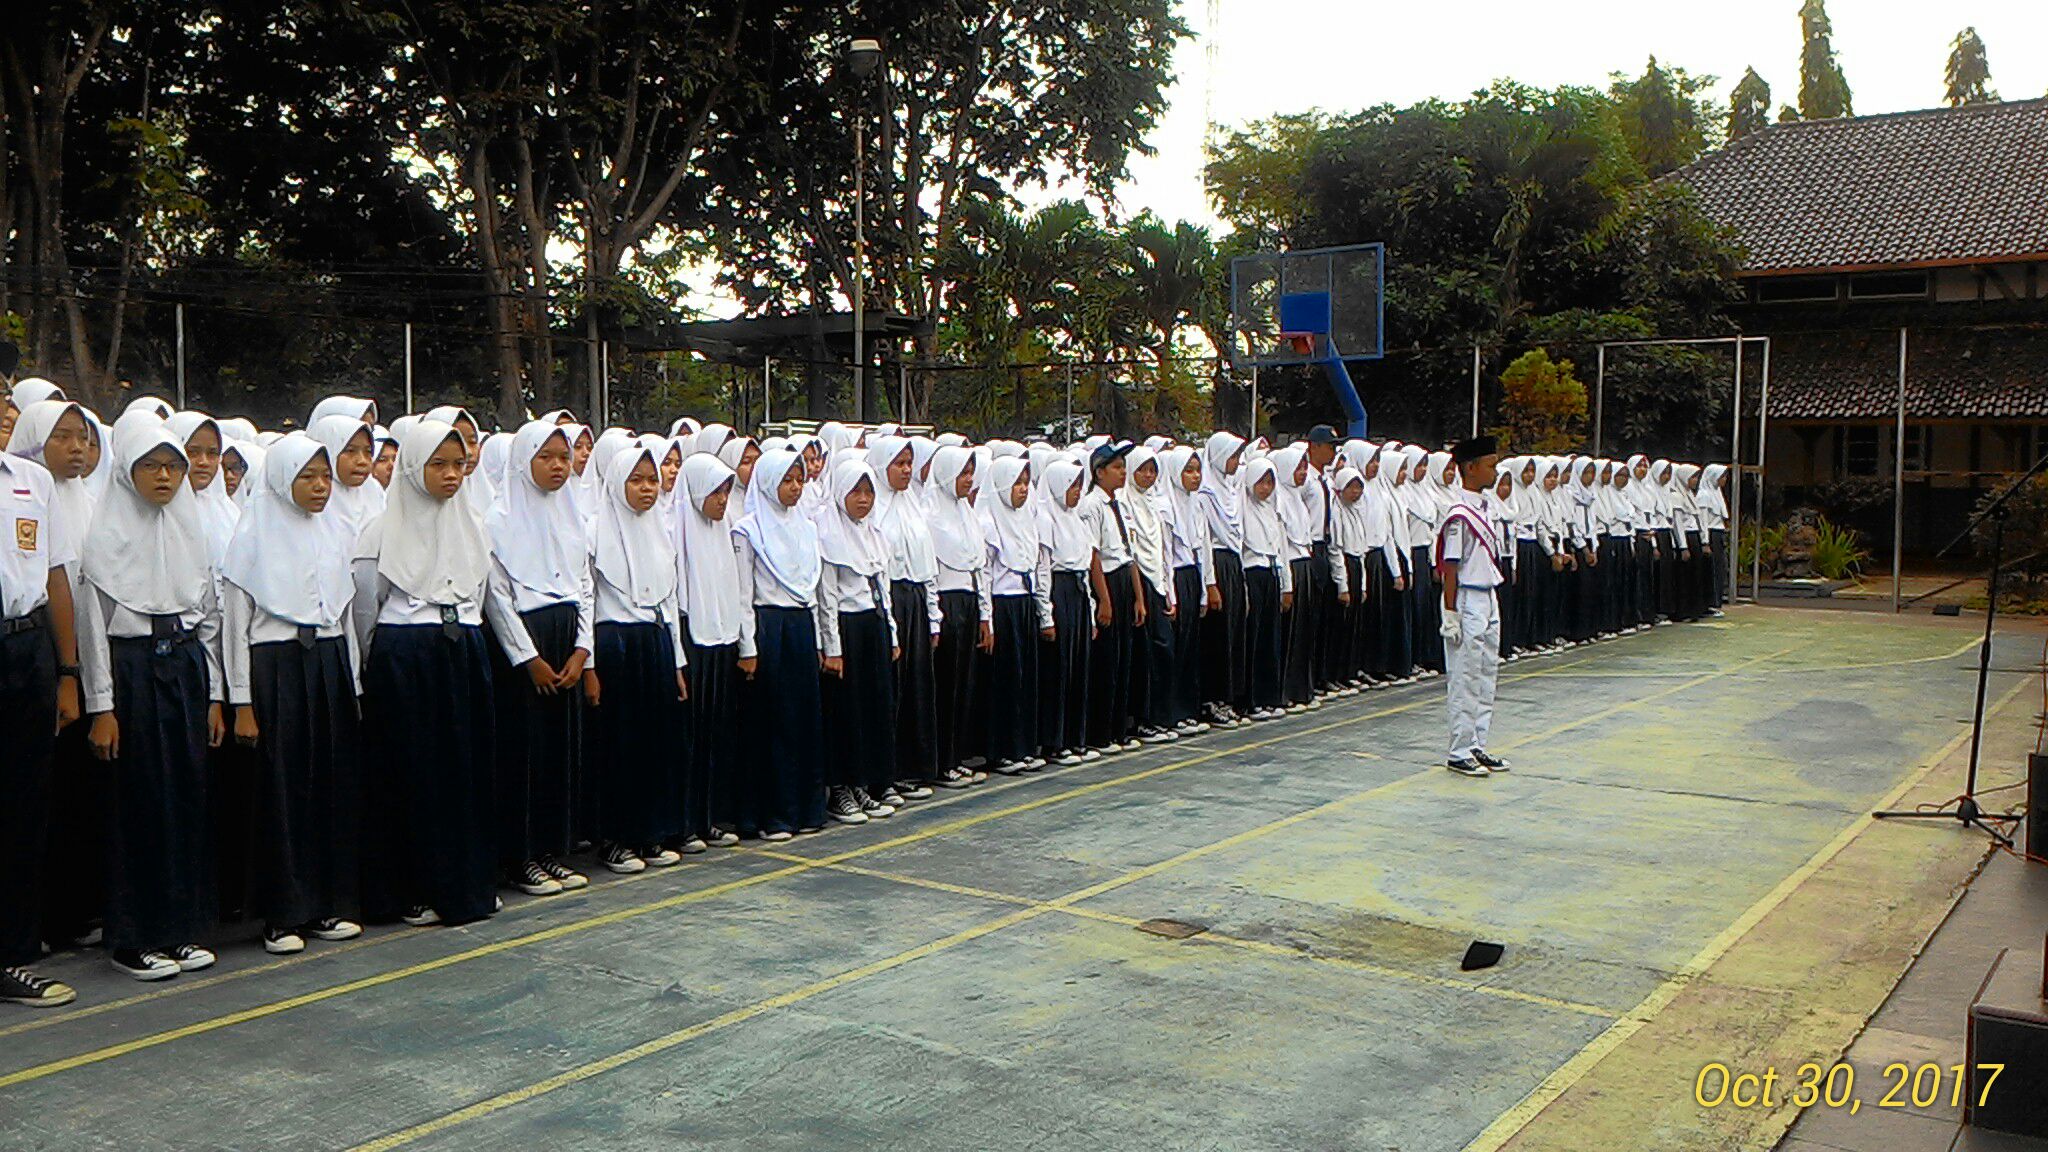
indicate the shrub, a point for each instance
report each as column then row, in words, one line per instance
column 1838, row 552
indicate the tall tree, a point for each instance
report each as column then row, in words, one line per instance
column 1749, row 105
column 1969, row 73
column 1823, row 90
column 1663, row 116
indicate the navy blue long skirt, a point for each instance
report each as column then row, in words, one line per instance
column 1425, row 610
column 160, row 881
column 1063, row 667
column 917, row 741
column 1013, row 680
column 1263, row 636
column 713, row 791
column 1393, row 652
column 1184, row 688
column 1225, row 666
column 545, row 803
column 309, row 792
column 1303, row 625
column 641, row 736
column 1109, row 664
column 429, row 796
column 954, row 668
column 785, row 747
column 860, row 706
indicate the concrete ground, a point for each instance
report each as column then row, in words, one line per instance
column 1681, row 867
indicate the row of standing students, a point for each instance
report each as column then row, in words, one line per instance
column 540, row 640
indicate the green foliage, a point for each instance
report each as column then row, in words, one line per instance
column 1749, row 105
column 1663, row 116
column 1838, row 552
column 1769, row 538
column 1542, row 405
column 1257, row 176
column 1823, row 90
column 1969, row 72
column 2026, row 536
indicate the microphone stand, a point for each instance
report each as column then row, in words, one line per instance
column 1967, row 811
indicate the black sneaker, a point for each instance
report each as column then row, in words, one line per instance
column 872, row 806
column 624, row 860
column 1466, row 766
column 841, row 805
column 421, row 916
column 21, row 986
column 1007, row 767
column 1489, row 761
column 283, row 942
column 144, row 964
column 534, row 881
column 334, row 928
column 913, row 790
column 892, row 798
column 569, row 878
column 955, row 778
column 721, row 838
column 191, row 957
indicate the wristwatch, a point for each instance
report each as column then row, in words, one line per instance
column 70, row 670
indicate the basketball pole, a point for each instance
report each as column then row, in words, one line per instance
column 1255, row 402
column 1475, row 389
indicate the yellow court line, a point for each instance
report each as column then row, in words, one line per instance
column 1212, row 936
column 659, row 1044
column 1507, row 1124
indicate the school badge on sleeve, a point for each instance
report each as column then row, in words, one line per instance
column 25, row 533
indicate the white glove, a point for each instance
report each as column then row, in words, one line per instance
column 1451, row 628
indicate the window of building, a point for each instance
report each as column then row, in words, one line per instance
column 1919, row 447
column 1796, row 289
column 1856, row 450
column 1888, row 286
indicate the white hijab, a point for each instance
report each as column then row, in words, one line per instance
column 956, row 530
column 632, row 551
column 433, row 550
column 1290, row 498
column 217, row 510
column 353, row 407
column 353, row 508
column 1014, row 531
column 784, row 539
column 539, row 538
column 293, row 563
column 1148, row 532
column 856, row 545
column 901, row 515
column 34, row 390
column 1061, row 528
column 73, row 499
column 1222, row 493
column 1183, row 515
column 710, row 584
column 1263, row 535
column 150, row 560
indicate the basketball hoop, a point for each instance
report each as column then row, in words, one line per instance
column 1303, row 343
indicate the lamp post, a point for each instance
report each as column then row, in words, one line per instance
column 863, row 56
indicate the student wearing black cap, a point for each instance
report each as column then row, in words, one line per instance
column 1471, row 618
column 1119, row 603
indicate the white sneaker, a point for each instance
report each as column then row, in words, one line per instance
column 841, row 805
column 421, row 916
column 283, row 942
column 624, row 860
column 534, row 881
column 569, row 878
column 775, row 837
column 148, row 964
column 1090, row 755
column 334, row 928
column 1130, row 745
column 660, row 857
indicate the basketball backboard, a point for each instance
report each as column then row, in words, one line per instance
column 1308, row 306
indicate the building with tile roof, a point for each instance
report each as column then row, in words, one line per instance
column 1852, row 230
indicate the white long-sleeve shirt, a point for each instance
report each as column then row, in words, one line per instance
column 759, row 592
column 1006, row 581
column 842, row 590
column 612, row 606
column 246, row 624
column 99, row 618
column 505, row 599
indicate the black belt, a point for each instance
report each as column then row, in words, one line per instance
column 30, row 621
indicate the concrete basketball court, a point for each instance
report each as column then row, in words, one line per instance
column 1680, row 866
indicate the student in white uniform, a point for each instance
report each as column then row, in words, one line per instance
column 1470, row 627
column 38, row 695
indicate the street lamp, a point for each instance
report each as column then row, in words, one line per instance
column 863, row 56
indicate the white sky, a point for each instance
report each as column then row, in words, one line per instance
column 1341, row 55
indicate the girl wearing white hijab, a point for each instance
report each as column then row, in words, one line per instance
column 241, row 470
column 858, row 638
column 492, row 456
column 738, row 455
column 1226, row 687
column 1618, row 555
column 203, row 454
column 1713, row 505
column 1350, row 637
column 149, row 653
column 713, row 611
column 1152, row 656
column 1069, row 547
column 34, row 390
column 966, row 611
column 538, row 601
column 1195, row 591
column 776, row 557
column 1268, row 586
column 1391, row 659
column 1304, row 623
column 384, row 456
column 150, row 404
column 914, row 602
column 420, row 572
column 1429, row 497
column 356, row 501
column 636, row 690
column 290, row 656
column 1020, row 582
column 1688, row 534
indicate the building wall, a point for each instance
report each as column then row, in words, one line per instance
column 1949, row 466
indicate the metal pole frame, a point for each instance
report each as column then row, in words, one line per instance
column 408, row 366
column 860, row 362
column 1599, row 397
column 1763, row 428
column 181, row 355
column 767, row 387
column 1068, row 428
column 1255, row 402
column 1735, row 457
column 1475, row 388
column 1899, row 481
